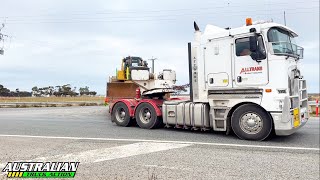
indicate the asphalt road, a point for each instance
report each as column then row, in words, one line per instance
column 106, row 151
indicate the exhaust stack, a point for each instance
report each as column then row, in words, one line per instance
column 197, row 33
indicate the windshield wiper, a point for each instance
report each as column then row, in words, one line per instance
column 295, row 56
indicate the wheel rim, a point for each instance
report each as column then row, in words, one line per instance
column 145, row 115
column 251, row 123
column 120, row 114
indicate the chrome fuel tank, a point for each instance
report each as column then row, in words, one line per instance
column 185, row 114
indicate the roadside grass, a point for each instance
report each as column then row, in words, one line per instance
column 52, row 99
column 313, row 96
column 314, row 115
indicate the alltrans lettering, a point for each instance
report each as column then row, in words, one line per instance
column 248, row 70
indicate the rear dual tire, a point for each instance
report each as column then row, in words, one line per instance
column 120, row 115
column 146, row 116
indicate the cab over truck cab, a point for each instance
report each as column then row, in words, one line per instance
column 245, row 79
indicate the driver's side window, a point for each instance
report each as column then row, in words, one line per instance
column 243, row 46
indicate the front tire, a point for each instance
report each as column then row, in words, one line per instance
column 251, row 122
column 120, row 114
column 146, row 116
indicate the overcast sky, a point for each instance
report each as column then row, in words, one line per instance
column 55, row 42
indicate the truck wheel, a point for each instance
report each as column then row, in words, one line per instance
column 250, row 122
column 146, row 116
column 120, row 114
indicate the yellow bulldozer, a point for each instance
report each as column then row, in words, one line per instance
column 121, row 85
column 128, row 64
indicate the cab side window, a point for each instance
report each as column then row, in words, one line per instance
column 243, row 46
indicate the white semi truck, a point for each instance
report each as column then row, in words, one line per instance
column 245, row 79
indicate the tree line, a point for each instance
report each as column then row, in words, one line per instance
column 64, row 90
column 5, row 92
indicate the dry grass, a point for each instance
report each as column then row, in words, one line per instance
column 313, row 97
column 52, row 99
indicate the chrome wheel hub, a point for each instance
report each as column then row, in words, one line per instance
column 145, row 115
column 251, row 123
column 121, row 115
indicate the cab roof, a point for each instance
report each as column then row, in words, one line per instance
column 218, row 32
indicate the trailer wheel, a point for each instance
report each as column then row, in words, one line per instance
column 120, row 114
column 146, row 116
column 251, row 122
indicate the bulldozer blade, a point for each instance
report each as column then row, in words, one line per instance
column 118, row 90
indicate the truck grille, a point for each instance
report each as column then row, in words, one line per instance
column 299, row 98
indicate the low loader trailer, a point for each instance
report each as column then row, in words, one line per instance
column 246, row 80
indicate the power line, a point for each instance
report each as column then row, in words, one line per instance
column 164, row 10
column 146, row 18
column 151, row 16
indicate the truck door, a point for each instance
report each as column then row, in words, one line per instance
column 217, row 66
column 249, row 72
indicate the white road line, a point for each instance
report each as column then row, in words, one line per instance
column 105, row 154
column 164, row 141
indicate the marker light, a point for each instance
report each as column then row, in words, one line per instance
column 248, row 21
column 268, row 90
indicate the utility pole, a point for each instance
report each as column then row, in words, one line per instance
column 152, row 59
column 2, row 39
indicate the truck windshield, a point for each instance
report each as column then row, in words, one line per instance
column 283, row 43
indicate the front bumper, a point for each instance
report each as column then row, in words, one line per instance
column 284, row 123
column 287, row 132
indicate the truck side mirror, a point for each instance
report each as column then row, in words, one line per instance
column 253, row 41
column 257, row 53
